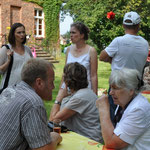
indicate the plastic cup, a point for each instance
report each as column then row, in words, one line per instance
column 57, row 125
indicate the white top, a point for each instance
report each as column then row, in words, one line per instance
column 18, row 62
column 134, row 126
column 83, row 60
column 128, row 51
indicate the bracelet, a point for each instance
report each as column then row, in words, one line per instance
column 57, row 102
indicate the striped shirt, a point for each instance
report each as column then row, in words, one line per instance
column 23, row 120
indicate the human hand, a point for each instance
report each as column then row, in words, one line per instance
column 102, row 103
column 9, row 54
column 56, row 138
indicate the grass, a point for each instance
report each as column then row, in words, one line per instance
column 104, row 70
column 58, row 74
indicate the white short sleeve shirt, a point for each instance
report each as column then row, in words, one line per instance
column 134, row 126
column 128, row 51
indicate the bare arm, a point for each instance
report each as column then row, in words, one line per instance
column 94, row 66
column 56, row 139
column 5, row 63
column 105, row 57
column 110, row 139
column 63, row 114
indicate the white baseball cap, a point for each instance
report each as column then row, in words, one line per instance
column 133, row 17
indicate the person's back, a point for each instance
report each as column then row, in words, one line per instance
column 78, row 111
column 128, row 51
column 131, row 52
column 86, row 120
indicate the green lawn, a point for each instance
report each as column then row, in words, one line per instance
column 58, row 74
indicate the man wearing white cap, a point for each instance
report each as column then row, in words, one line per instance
column 128, row 51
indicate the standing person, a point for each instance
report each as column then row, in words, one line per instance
column 23, row 120
column 79, row 113
column 131, row 130
column 20, row 52
column 82, row 53
column 130, row 50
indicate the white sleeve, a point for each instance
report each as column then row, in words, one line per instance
column 112, row 49
column 132, row 126
column 3, row 56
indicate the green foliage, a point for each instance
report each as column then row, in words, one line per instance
column 94, row 14
column 67, row 35
column 51, row 10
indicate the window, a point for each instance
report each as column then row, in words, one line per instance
column 39, row 23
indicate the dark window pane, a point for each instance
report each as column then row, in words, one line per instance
column 40, row 26
column 40, row 32
column 40, row 21
column 35, row 12
column 35, row 32
column 40, row 13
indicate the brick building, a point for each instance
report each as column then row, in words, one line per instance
column 29, row 14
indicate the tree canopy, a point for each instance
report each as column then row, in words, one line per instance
column 94, row 14
column 103, row 30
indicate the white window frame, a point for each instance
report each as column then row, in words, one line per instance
column 37, row 18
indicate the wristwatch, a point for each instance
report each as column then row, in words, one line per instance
column 57, row 102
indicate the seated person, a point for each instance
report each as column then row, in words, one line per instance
column 131, row 129
column 23, row 120
column 79, row 112
column 146, row 78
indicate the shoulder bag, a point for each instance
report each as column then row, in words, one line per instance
column 8, row 72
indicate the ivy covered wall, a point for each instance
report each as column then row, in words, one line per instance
column 51, row 10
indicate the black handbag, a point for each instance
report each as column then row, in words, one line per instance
column 8, row 72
